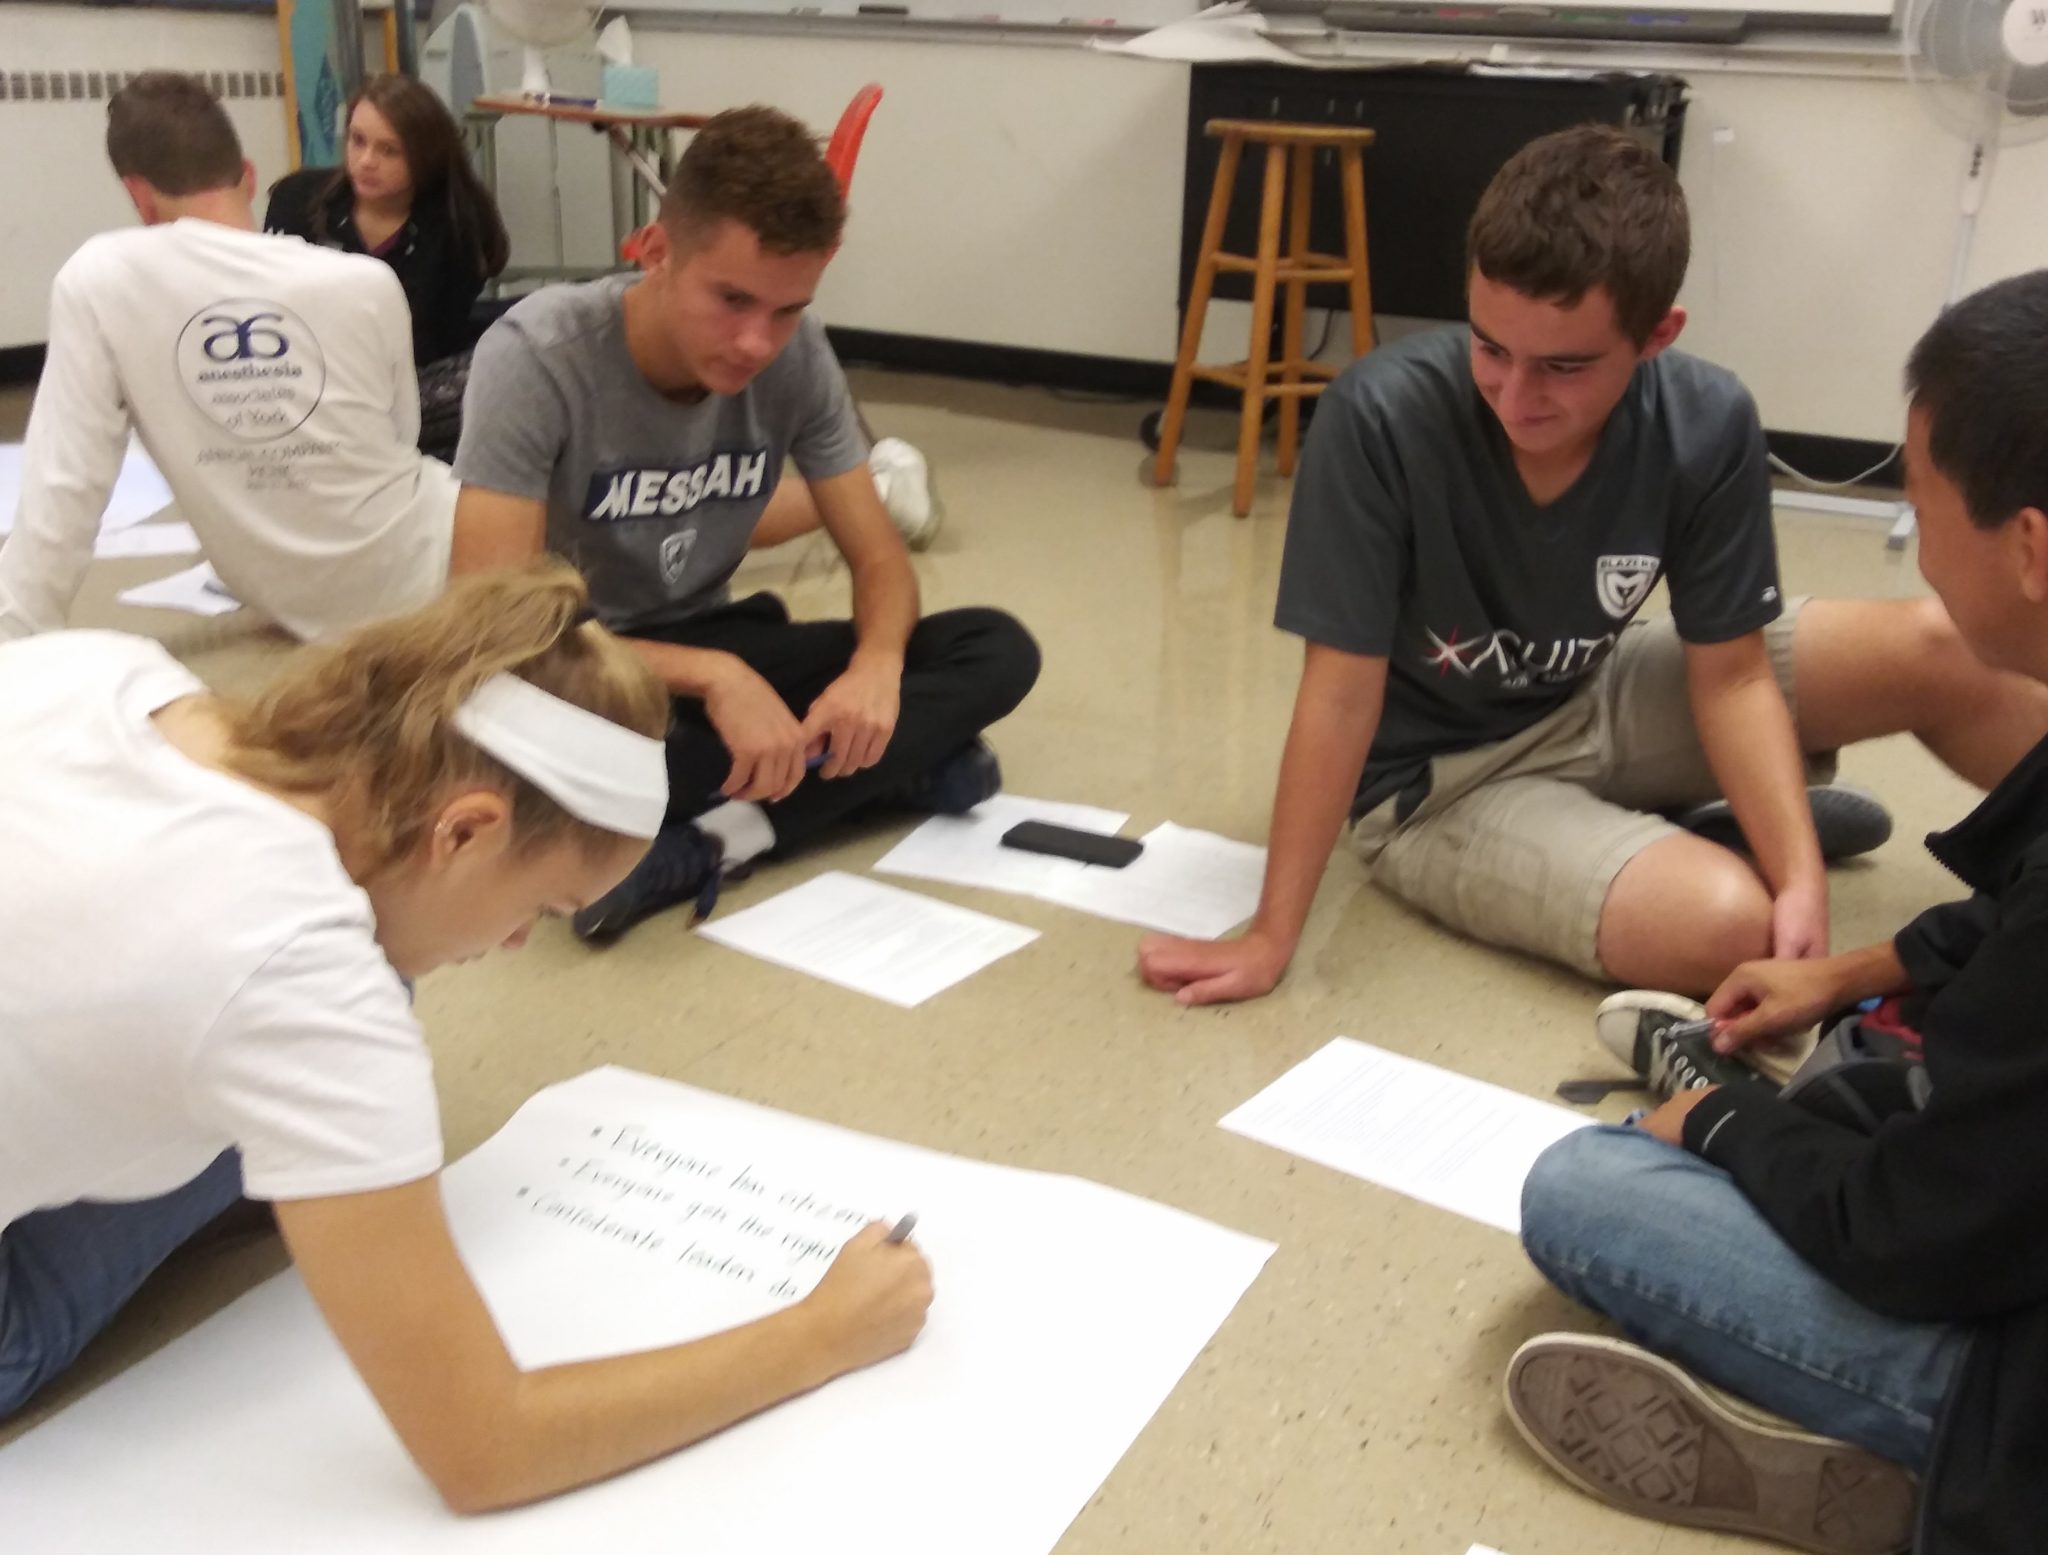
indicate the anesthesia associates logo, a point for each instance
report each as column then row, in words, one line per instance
column 252, row 366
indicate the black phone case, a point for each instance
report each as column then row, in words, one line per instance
column 1087, row 847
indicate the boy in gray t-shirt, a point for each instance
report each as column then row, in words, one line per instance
column 638, row 426
column 1479, row 518
column 655, row 499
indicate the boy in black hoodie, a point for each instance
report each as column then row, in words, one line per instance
column 1886, row 1293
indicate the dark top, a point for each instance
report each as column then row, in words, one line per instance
column 1938, row 1216
column 441, row 285
column 1412, row 537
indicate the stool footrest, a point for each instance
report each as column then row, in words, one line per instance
column 1236, row 376
column 1316, row 267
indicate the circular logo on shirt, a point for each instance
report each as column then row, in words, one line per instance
column 252, row 366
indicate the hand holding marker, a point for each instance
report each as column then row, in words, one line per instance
column 872, row 1301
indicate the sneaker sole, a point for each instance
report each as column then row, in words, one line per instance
column 1639, row 1433
column 603, row 932
column 1848, row 822
column 1619, row 1036
column 935, row 517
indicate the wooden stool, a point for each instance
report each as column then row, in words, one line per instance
column 1291, row 378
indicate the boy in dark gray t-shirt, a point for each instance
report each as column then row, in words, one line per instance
column 1413, row 540
column 639, row 426
column 1480, row 515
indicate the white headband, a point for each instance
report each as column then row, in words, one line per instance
column 600, row 772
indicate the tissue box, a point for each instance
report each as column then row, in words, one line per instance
column 631, row 86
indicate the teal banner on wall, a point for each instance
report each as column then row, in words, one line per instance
column 317, row 74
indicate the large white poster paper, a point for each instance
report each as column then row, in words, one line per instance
column 612, row 1212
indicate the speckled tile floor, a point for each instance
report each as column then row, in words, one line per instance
column 1350, row 1404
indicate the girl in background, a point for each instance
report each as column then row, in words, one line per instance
column 406, row 194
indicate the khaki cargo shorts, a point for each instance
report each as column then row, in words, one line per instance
column 1519, row 841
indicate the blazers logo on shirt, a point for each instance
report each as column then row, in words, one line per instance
column 1623, row 582
column 662, row 491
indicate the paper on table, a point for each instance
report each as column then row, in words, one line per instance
column 1444, row 1138
column 197, row 591
column 872, row 938
column 1481, row 67
column 1185, row 882
column 1015, row 1343
column 1222, row 33
column 1483, row 1549
column 968, row 849
column 147, row 540
column 139, row 490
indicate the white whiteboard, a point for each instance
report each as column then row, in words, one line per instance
column 1091, row 15
column 1083, row 16
column 1781, row 13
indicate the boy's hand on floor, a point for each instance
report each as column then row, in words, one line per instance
column 1199, row 971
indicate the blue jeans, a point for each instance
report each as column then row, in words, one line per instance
column 1673, row 1251
column 65, row 1272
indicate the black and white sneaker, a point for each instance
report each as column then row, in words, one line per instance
column 1848, row 821
column 1645, row 1435
column 957, row 784
column 1668, row 1041
column 683, row 865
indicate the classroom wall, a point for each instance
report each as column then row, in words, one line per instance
column 55, row 187
column 1005, row 193
column 1030, row 195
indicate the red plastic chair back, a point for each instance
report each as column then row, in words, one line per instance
column 844, row 148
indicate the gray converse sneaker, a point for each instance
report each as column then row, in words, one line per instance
column 1667, row 1040
column 1646, row 1436
column 1847, row 820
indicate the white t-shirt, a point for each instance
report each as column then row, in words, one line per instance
column 184, row 963
column 272, row 382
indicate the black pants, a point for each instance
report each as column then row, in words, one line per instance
column 442, row 385
column 962, row 670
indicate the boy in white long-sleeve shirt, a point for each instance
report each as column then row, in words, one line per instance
column 271, row 381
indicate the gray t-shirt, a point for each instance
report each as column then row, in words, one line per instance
column 652, row 498
column 1412, row 537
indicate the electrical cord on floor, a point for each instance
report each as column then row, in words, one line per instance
column 1329, row 322
column 1085, row 396
column 1820, row 485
